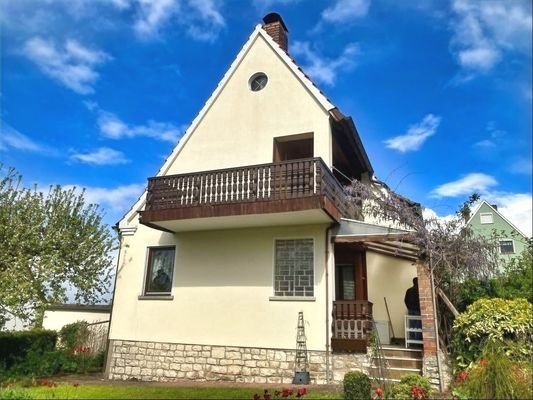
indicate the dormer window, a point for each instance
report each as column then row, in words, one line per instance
column 258, row 82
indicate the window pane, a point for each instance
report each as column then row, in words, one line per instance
column 486, row 218
column 160, row 270
column 294, row 268
column 506, row 246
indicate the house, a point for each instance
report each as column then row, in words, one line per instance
column 488, row 222
column 96, row 316
column 56, row 317
column 245, row 225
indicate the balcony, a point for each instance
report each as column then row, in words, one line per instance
column 352, row 325
column 283, row 193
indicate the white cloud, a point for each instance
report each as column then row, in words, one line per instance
column 113, row 127
column 152, row 14
column 516, row 207
column 73, row 65
column 115, row 199
column 416, row 135
column 473, row 182
column 12, row 138
column 101, row 156
column 484, row 31
column 346, row 10
column 202, row 19
column 324, row 69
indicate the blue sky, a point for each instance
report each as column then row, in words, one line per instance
column 95, row 93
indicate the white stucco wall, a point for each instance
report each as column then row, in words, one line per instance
column 223, row 281
column 56, row 319
column 389, row 277
column 239, row 127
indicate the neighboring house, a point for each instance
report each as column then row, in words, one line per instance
column 56, row 317
column 96, row 316
column 245, row 225
column 487, row 221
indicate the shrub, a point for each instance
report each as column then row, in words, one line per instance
column 15, row 346
column 411, row 387
column 356, row 385
column 73, row 336
column 493, row 320
column 495, row 376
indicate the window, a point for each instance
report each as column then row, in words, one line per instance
column 506, row 246
column 159, row 270
column 486, row 218
column 258, row 82
column 294, row 268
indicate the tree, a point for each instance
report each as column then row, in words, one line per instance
column 50, row 243
column 448, row 248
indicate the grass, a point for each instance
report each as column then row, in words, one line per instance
column 110, row 391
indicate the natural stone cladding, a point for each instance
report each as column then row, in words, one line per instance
column 162, row 362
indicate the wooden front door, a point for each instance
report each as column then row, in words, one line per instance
column 350, row 275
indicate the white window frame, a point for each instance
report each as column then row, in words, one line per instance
column 292, row 298
column 506, row 240
column 486, row 218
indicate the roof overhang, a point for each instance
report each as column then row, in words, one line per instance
column 379, row 239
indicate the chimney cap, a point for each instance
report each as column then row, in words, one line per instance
column 274, row 17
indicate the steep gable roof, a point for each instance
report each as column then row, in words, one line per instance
column 478, row 209
column 308, row 84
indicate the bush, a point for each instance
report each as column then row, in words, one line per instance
column 493, row 320
column 411, row 387
column 356, row 386
column 15, row 346
column 73, row 336
column 495, row 376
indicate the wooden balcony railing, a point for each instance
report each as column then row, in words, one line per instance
column 352, row 324
column 297, row 179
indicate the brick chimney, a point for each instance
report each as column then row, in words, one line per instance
column 495, row 206
column 275, row 27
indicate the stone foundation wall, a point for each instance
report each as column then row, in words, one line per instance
column 161, row 362
column 430, row 370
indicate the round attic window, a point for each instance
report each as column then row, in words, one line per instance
column 258, row 82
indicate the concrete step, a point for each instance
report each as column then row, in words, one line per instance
column 402, row 352
column 395, row 372
column 401, row 362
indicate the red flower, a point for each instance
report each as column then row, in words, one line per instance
column 301, row 392
column 257, row 397
column 379, row 392
column 461, row 377
column 417, row 393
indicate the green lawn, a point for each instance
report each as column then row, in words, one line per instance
column 110, row 391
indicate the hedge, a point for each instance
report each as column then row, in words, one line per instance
column 14, row 346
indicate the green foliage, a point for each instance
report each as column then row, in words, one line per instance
column 50, row 241
column 496, row 376
column 411, row 387
column 516, row 281
column 417, row 380
column 15, row 346
column 73, row 335
column 15, row 394
column 493, row 320
column 356, row 385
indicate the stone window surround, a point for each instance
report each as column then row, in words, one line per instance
column 292, row 298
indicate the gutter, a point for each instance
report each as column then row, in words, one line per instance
column 326, row 265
